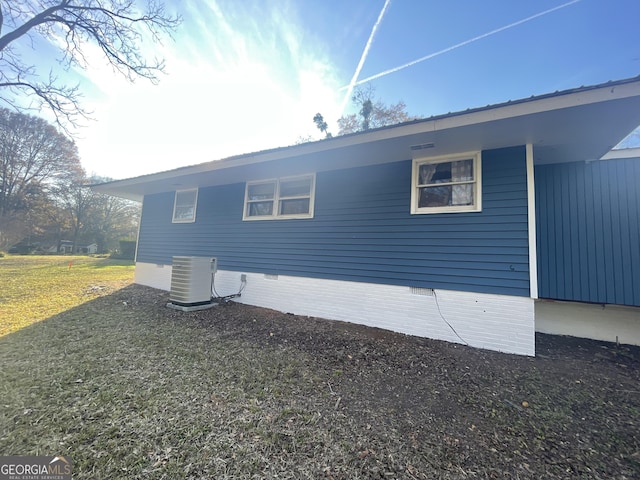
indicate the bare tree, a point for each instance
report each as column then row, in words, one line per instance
column 75, row 199
column 110, row 218
column 348, row 124
column 116, row 27
column 34, row 156
column 373, row 113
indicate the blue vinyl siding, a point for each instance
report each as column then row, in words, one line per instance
column 362, row 231
column 589, row 231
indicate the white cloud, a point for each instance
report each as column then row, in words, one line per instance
column 231, row 87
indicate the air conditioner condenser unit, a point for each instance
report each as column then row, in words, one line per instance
column 191, row 279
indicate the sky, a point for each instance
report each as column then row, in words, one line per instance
column 243, row 76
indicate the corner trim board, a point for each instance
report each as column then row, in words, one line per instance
column 531, row 212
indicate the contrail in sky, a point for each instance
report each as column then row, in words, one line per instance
column 355, row 82
column 365, row 52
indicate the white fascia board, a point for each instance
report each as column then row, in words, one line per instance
column 540, row 105
column 545, row 103
column 488, row 114
column 621, row 153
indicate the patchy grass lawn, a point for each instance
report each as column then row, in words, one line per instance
column 131, row 389
column 36, row 287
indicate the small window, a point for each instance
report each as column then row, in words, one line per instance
column 184, row 207
column 280, row 198
column 447, row 184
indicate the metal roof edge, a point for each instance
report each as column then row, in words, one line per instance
column 355, row 138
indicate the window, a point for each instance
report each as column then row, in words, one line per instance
column 447, row 184
column 280, row 198
column 184, row 206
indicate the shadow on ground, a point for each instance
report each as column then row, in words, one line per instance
column 131, row 389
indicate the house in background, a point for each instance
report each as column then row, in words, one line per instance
column 66, row 246
column 478, row 227
column 61, row 247
column 87, row 249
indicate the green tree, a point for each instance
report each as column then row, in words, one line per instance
column 318, row 119
column 75, row 27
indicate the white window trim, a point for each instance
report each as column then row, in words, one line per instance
column 175, row 202
column 477, row 191
column 276, row 198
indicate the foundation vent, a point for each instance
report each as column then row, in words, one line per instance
column 427, row 292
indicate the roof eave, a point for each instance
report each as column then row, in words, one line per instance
column 132, row 188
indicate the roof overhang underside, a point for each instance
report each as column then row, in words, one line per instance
column 578, row 125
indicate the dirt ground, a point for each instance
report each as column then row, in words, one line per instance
column 571, row 412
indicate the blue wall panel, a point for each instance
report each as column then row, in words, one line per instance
column 589, row 231
column 362, row 231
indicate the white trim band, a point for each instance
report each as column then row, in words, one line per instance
column 494, row 322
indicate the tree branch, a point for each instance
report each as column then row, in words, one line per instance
column 39, row 19
column 63, row 101
column 114, row 26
